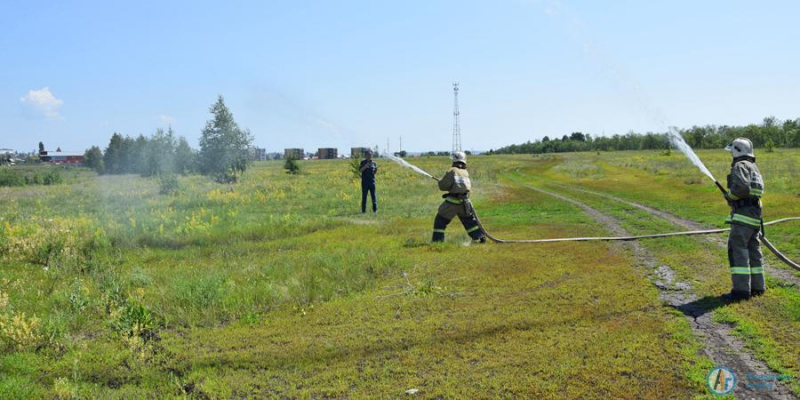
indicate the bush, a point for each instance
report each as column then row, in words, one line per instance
column 9, row 177
column 134, row 319
column 13, row 177
column 770, row 146
column 19, row 332
column 168, row 184
column 291, row 166
column 52, row 178
column 355, row 165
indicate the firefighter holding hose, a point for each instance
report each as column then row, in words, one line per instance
column 745, row 188
column 456, row 201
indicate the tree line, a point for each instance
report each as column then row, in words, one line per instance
column 223, row 154
column 771, row 133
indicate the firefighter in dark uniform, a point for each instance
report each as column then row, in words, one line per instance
column 368, row 169
column 745, row 189
column 456, row 201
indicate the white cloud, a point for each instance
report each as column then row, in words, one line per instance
column 43, row 101
column 167, row 120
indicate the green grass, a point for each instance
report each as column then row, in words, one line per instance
column 278, row 286
column 768, row 325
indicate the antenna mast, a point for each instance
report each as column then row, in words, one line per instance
column 456, row 123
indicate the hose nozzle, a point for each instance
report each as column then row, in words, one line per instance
column 721, row 189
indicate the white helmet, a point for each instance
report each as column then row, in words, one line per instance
column 460, row 156
column 740, row 147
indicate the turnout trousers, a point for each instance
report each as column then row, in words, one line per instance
column 744, row 256
column 451, row 208
column 368, row 187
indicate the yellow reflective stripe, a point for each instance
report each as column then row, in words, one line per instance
column 756, row 192
column 732, row 196
column 743, row 219
column 740, row 271
column 438, row 230
column 452, row 200
column 473, row 229
column 756, row 270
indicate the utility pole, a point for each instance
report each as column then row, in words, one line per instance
column 387, row 146
column 401, row 144
column 456, row 123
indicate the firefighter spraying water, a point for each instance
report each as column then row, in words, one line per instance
column 482, row 233
column 456, row 201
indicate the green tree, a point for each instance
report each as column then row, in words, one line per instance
column 93, row 158
column 223, row 145
column 137, row 157
column 184, row 157
column 113, row 155
column 160, row 158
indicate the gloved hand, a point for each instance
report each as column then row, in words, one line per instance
column 728, row 198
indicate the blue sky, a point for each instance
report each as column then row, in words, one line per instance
column 348, row 73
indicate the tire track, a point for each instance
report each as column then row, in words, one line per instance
column 719, row 344
column 785, row 275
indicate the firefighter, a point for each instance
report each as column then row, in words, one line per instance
column 745, row 188
column 368, row 169
column 456, row 201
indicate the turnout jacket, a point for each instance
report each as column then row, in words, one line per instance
column 745, row 189
column 456, row 181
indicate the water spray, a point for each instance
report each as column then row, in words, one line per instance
column 406, row 164
column 677, row 140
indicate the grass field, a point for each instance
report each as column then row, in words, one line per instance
column 278, row 287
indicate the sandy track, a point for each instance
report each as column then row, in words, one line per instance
column 719, row 344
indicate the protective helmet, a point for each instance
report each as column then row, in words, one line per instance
column 740, row 147
column 460, row 157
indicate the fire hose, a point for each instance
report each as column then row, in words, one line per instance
column 761, row 237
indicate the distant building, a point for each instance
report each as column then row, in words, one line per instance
column 258, row 154
column 327, row 153
column 296, row 153
column 358, row 152
column 6, row 157
column 61, row 157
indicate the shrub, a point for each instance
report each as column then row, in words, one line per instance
column 355, row 165
column 19, row 332
column 13, row 177
column 770, row 146
column 52, row 178
column 9, row 177
column 168, row 183
column 291, row 166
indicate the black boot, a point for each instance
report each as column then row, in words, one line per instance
column 755, row 293
column 735, row 296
